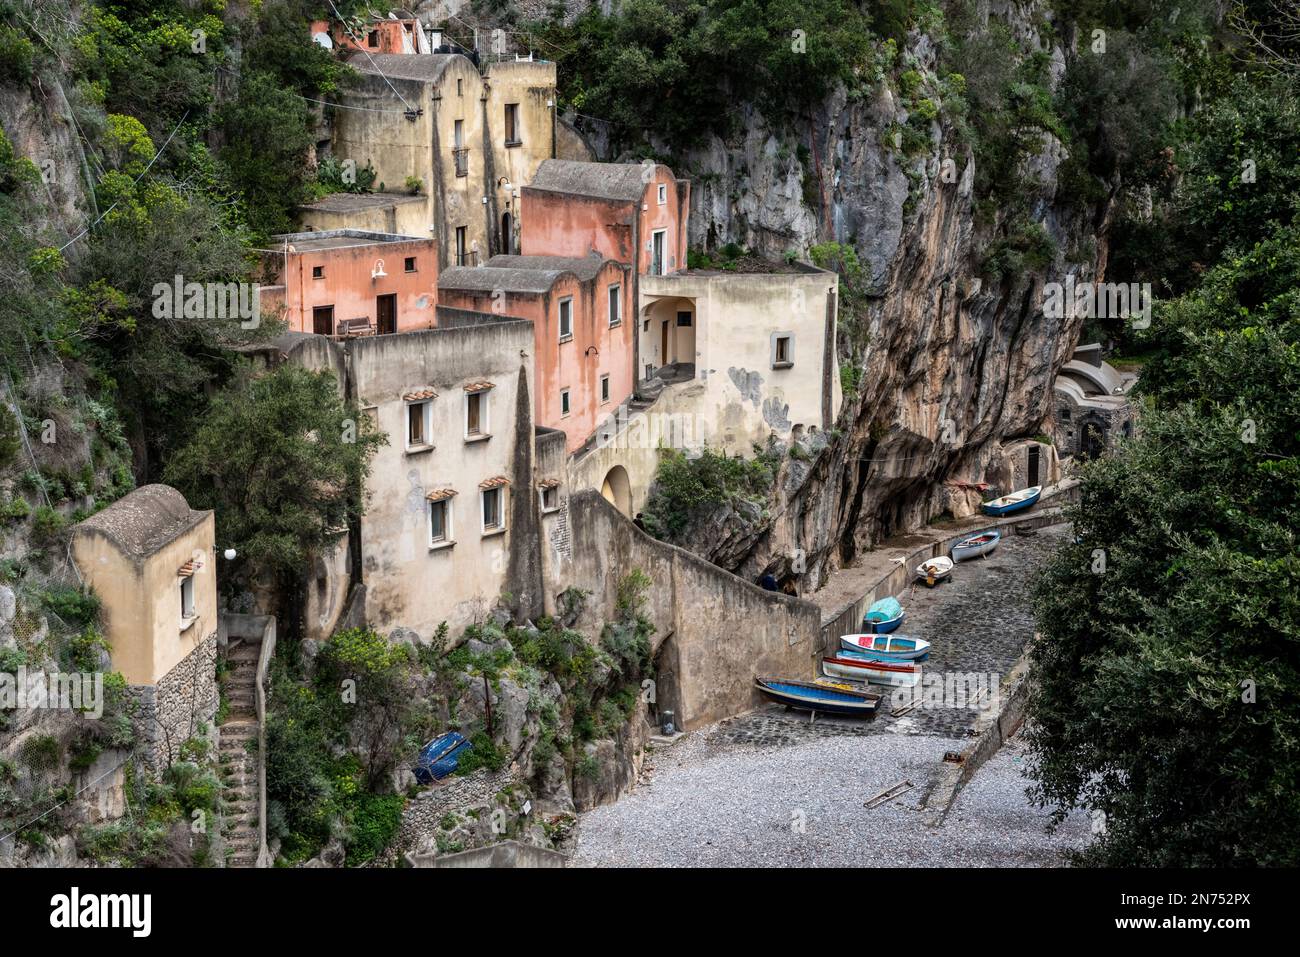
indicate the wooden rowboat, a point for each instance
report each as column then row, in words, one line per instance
column 1014, row 502
column 934, row 570
column 810, row 696
column 862, row 667
column 888, row 647
column 883, row 616
column 976, row 546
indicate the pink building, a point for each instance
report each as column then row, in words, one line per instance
column 582, row 328
column 346, row 282
column 378, row 35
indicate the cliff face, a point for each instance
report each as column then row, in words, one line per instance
column 955, row 360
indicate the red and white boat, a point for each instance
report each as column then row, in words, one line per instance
column 860, row 666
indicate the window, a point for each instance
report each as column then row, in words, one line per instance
column 663, row 195
column 512, row 124
column 566, row 318
column 317, row 272
column 604, row 389
column 419, row 424
column 1065, row 415
column 550, row 498
column 782, row 350
column 564, row 402
column 476, row 414
column 683, row 320
column 658, row 244
column 493, row 510
column 322, row 320
column 372, row 39
column 460, row 87
column 463, row 257
column 615, row 305
column 187, row 598
column 410, row 264
column 440, row 522
column 459, row 152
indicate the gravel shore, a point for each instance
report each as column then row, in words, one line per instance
column 771, row 789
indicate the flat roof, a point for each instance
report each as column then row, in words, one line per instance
column 426, row 67
column 355, row 202
column 318, row 239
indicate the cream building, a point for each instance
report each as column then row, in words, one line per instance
column 471, row 139
column 151, row 560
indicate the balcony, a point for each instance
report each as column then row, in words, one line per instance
column 467, row 258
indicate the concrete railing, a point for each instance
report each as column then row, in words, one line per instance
column 847, row 620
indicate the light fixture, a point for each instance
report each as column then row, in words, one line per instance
column 230, row 554
column 378, row 271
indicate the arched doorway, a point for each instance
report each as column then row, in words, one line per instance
column 507, row 236
column 617, row 490
column 1092, row 436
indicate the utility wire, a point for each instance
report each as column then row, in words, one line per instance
column 137, row 180
column 362, row 48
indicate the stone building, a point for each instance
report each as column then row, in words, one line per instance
column 465, row 140
column 150, row 559
column 1092, row 410
column 580, row 310
column 351, row 282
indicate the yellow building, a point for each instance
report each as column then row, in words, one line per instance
column 467, row 141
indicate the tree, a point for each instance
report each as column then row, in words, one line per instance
column 283, row 461
column 1167, row 675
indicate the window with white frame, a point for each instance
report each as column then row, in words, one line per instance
column 187, row 598
column 493, row 501
column 476, row 414
column 419, row 424
column 440, row 522
column 782, row 350
column 566, row 318
column 564, row 402
column 663, row 195
column 615, row 305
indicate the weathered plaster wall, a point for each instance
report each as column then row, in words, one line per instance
column 408, row 582
column 403, row 216
column 723, row 631
column 530, row 86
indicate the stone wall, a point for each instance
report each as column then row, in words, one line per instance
column 713, row 631
column 421, row 817
column 169, row 713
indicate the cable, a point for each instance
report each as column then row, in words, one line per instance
column 137, row 180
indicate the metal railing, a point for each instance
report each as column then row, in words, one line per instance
column 467, row 258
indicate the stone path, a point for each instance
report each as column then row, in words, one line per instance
column 771, row 788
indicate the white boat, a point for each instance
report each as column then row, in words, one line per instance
column 976, row 546
column 860, row 666
column 934, row 570
column 1014, row 502
column 888, row 647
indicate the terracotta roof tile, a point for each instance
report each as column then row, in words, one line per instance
column 189, row 568
column 495, row 482
column 480, row 386
column 549, row 483
column 419, row 394
column 440, row 494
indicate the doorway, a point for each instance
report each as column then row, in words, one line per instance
column 507, row 238
column 663, row 343
column 386, row 314
column 322, row 320
column 657, row 243
column 1033, row 466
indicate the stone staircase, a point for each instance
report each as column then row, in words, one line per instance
column 238, row 756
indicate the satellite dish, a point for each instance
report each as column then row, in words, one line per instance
column 323, row 39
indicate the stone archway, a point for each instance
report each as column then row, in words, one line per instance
column 617, row 490
column 1093, row 435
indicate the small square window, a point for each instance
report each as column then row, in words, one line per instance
column 782, row 351
column 615, row 305
column 410, row 264
column 550, row 498
column 372, row 40
column 317, row 272
column 566, row 319
column 564, row 402
column 604, row 389
column 440, row 522
column 663, row 195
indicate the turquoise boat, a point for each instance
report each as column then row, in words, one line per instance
column 883, row 616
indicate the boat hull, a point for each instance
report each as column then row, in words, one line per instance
column 862, row 668
column 1001, row 506
column 941, row 571
column 808, row 696
column 973, row 547
column 887, row 647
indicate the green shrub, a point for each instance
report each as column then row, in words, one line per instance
column 375, row 822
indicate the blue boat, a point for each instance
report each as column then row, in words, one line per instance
column 810, row 696
column 1014, row 502
column 883, row 616
column 439, row 757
